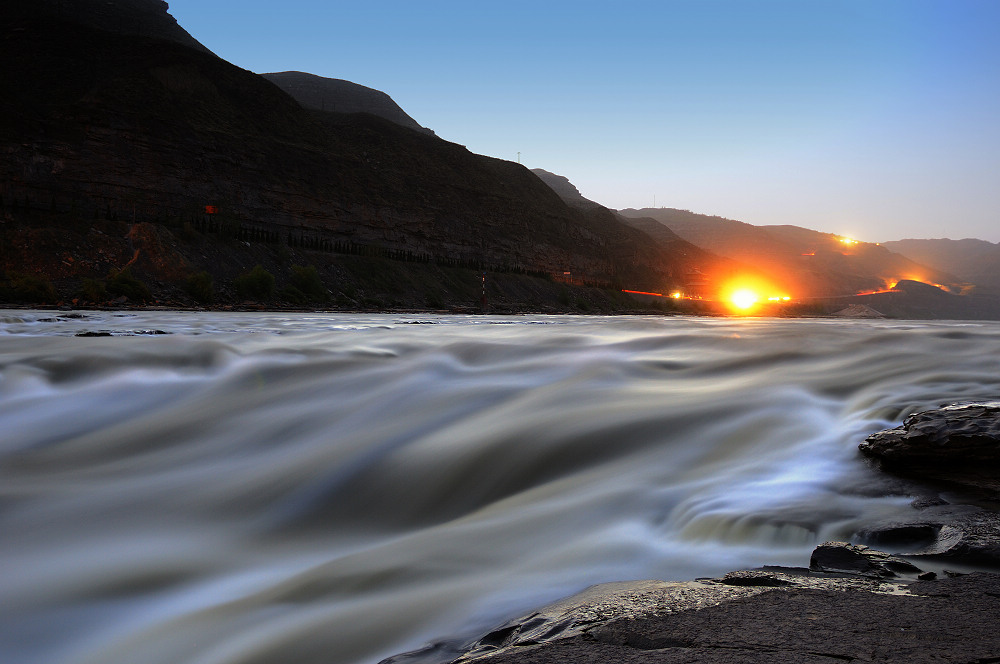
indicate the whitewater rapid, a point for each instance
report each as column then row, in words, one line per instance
column 223, row 488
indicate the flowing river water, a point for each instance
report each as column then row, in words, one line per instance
column 320, row 488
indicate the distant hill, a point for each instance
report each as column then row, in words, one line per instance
column 975, row 261
column 339, row 96
column 808, row 263
column 690, row 259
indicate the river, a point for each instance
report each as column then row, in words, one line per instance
column 223, row 488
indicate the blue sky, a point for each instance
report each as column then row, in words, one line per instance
column 878, row 119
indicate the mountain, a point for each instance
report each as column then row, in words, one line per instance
column 565, row 189
column 974, row 261
column 133, row 147
column 145, row 18
column 339, row 96
column 804, row 262
column 694, row 263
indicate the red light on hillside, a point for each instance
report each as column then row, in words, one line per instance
column 211, row 209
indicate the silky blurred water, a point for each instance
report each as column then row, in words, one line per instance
column 222, row 488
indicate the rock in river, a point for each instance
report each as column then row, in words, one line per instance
column 958, row 444
column 958, row 434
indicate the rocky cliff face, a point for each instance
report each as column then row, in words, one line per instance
column 339, row 96
column 140, row 129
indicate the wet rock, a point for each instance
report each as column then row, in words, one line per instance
column 807, row 619
column 954, row 450
column 847, row 558
column 964, row 533
column 960, row 435
column 759, row 578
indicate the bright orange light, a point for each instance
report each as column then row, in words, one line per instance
column 743, row 298
column 848, row 241
column 677, row 295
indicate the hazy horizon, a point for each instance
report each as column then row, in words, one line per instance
column 873, row 119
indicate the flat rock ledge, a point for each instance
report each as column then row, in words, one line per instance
column 884, row 613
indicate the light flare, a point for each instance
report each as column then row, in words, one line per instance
column 743, row 298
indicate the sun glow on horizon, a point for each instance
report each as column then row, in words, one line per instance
column 746, row 294
column 743, row 298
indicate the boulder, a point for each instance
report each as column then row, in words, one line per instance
column 958, row 434
column 847, row 558
column 957, row 445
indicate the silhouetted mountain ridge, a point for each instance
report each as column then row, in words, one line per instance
column 339, row 96
column 145, row 18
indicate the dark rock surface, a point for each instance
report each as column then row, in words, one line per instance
column 847, row 558
column 954, row 449
column 948, row 620
column 793, row 616
column 960, row 435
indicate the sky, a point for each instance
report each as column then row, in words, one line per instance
column 875, row 119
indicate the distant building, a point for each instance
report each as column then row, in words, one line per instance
column 696, row 283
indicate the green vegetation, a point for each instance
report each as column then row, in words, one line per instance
column 28, row 288
column 306, row 286
column 257, row 284
column 122, row 283
column 93, row 290
column 199, row 286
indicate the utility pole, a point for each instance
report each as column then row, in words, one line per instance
column 519, row 157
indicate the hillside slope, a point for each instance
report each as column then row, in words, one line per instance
column 339, row 96
column 975, row 261
column 805, row 262
column 138, row 128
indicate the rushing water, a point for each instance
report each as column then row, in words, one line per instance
column 257, row 488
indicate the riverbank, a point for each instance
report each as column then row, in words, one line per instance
column 780, row 616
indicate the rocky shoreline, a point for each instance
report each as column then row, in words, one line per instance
column 937, row 601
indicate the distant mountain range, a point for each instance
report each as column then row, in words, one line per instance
column 974, row 261
column 807, row 262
